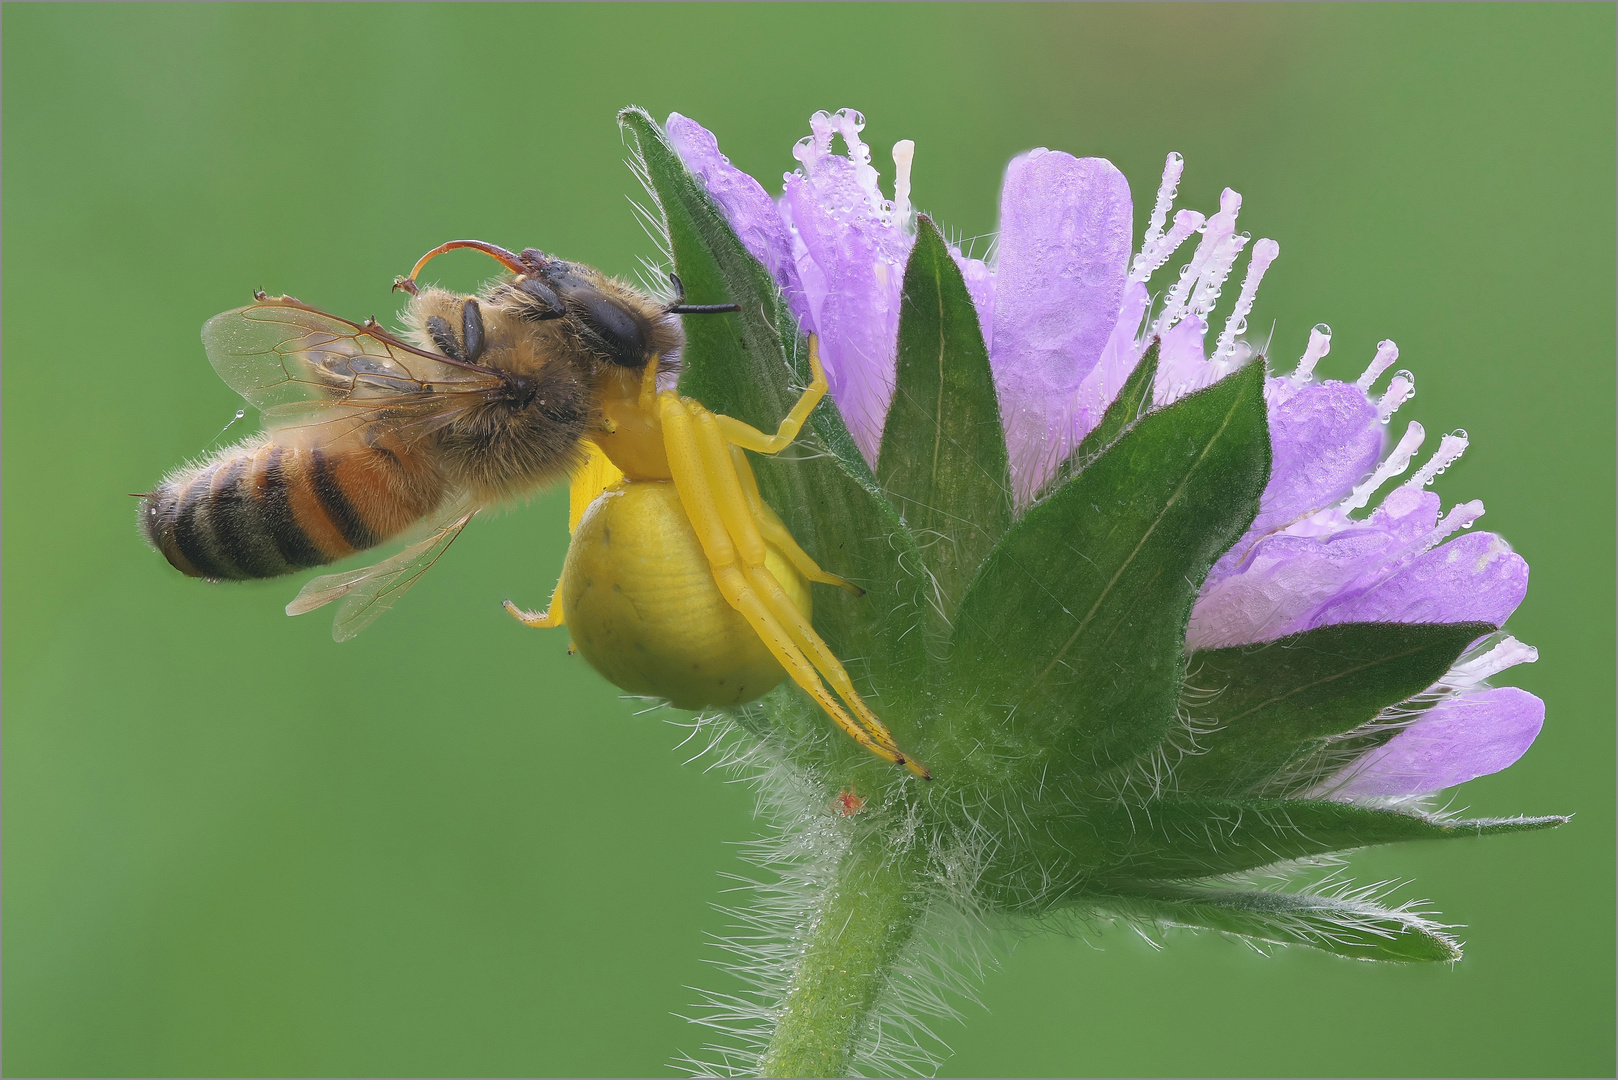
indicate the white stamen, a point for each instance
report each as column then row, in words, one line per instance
column 1174, row 303
column 1508, row 654
column 904, row 152
column 1206, row 296
column 1400, row 390
column 1264, row 253
column 1319, row 346
column 1173, row 167
column 1460, row 516
column 1186, row 222
column 1450, row 448
column 1215, row 233
column 1395, row 463
column 1386, row 353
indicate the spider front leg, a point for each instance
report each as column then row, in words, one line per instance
column 751, row 438
column 712, row 494
column 741, row 435
column 777, row 535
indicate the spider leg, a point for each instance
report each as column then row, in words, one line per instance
column 752, row 438
column 776, row 533
column 737, row 556
column 548, row 619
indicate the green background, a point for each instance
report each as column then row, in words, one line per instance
column 233, row 846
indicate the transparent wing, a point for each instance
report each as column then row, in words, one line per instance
column 368, row 592
column 303, row 368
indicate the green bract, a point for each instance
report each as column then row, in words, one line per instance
column 1036, row 663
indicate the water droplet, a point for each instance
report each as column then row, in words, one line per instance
column 239, row 414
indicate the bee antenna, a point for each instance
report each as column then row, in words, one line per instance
column 680, row 307
column 510, row 260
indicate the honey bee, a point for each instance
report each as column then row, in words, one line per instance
column 680, row 581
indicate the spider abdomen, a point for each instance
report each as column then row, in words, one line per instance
column 644, row 609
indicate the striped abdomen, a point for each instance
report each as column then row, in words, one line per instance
column 262, row 510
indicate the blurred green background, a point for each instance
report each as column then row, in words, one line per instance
column 232, row 846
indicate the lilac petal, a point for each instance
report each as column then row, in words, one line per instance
column 980, row 286
column 1456, row 741
column 746, row 205
column 1064, row 251
column 1290, row 576
column 1477, row 576
column 850, row 246
column 854, row 289
column 1182, row 364
column 1323, row 440
column 1096, row 392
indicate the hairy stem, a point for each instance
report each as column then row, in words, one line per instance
column 861, row 922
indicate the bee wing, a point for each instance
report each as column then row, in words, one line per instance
column 303, row 368
column 368, row 592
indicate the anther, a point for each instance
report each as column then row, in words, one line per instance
column 1386, row 353
column 1319, row 345
column 1400, row 390
column 1507, row 654
column 1449, row 451
column 1146, row 262
column 1396, row 463
column 1264, row 253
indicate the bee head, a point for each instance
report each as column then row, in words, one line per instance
column 521, row 390
column 612, row 322
column 616, row 324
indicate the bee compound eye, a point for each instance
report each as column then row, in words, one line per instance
column 617, row 329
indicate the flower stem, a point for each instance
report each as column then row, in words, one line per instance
column 859, row 925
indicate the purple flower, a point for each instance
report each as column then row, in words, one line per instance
column 1066, row 313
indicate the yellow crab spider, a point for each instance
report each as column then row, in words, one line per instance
column 680, row 582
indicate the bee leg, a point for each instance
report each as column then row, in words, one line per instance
column 712, row 496
column 444, row 337
column 776, row 533
column 471, row 330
